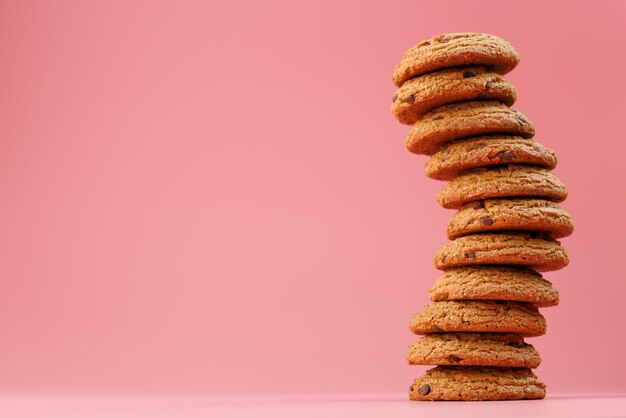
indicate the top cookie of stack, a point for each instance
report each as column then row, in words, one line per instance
column 452, row 90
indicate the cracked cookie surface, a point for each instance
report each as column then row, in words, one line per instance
column 491, row 215
column 456, row 157
column 473, row 349
column 494, row 283
column 479, row 316
column 538, row 252
column 429, row 91
column 513, row 180
column 453, row 383
column 465, row 119
column 453, row 50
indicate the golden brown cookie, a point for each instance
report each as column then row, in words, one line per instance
column 479, row 316
column 453, row 50
column 454, row 383
column 490, row 215
column 513, row 180
column 473, row 349
column 426, row 92
column 536, row 251
column 494, row 283
column 465, row 119
column 456, row 157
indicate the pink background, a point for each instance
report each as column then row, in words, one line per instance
column 212, row 197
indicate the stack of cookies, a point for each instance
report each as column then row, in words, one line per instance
column 451, row 90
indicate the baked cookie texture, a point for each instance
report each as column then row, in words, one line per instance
column 491, row 215
column 454, row 158
column 429, row 91
column 479, row 316
column 473, row 349
column 454, row 383
column 513, row 180
column 536, row 251
column 451, row 89
column 494, row 283
column 465, row 119
column 453, row 50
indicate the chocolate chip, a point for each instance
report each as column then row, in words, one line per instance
column 506, row 156
column 469, row 74
column 480, row 204
column 411, row 388
column 488, row 85
column 443, row 259
column 471, row 255
column 486, row 220
column 521, row 122
column 454, row 359
column 394, row 98
column 435, row 328
column 438, row 117
column 424, row 390
column 409, row 99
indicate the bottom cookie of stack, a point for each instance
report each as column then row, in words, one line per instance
column 471, row 383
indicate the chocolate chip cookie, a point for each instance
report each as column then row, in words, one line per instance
column 456, row 157
column 452, row 89
column 453, row 383
column 424, row 93
column 539, row 252
column 473, row 349
column 492, row 215
column 479, row 316
column 465, row 119
column 453, row 50
column 494, row 283
column 513, row 180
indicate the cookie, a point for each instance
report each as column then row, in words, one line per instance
column 510, row 215
column 494, row 283
column 479, row 316
column 424, row 93
column 453, row 50
column 453, row 383
column 473, row 349
column 465, row 119
column 536, row 251
column 513, row 180
column 462, row 155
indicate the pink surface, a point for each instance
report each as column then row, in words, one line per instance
column 374, row 406
column 212, row 197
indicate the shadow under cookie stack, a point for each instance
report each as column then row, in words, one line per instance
column 451, row 89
